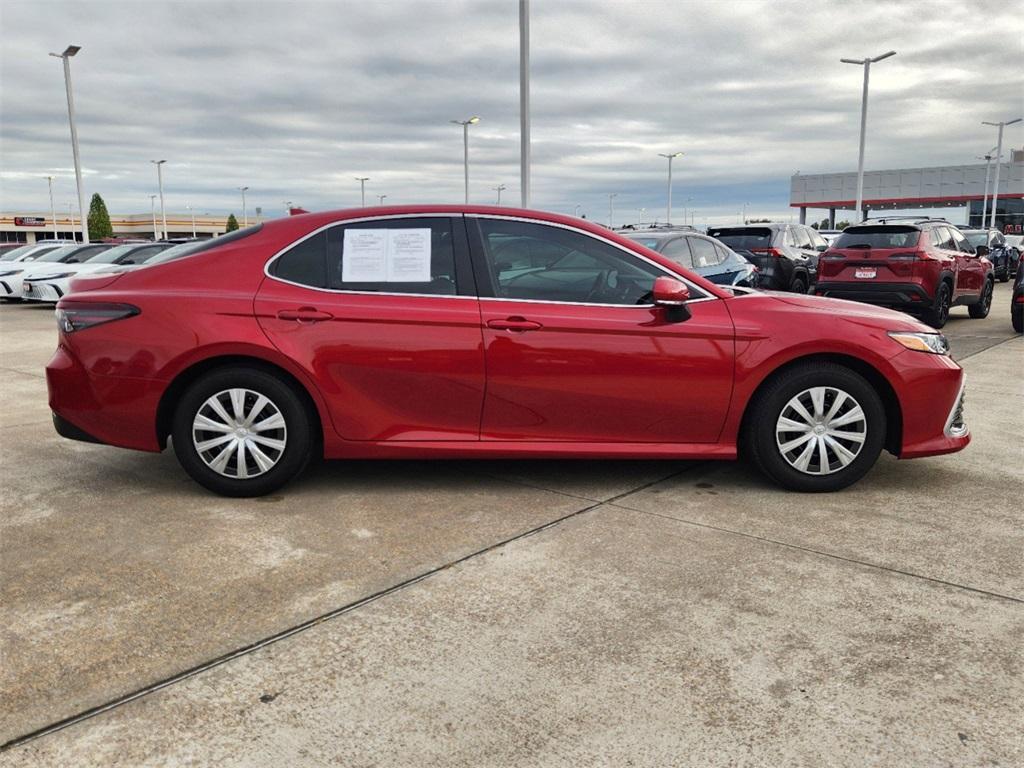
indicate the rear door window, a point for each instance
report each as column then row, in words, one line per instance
column 704, row 254
column 960, row 242
column 878, row 236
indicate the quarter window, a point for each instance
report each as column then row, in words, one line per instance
column 679, row 251
column 546, row 263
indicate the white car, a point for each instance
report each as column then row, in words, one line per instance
column 49, row 285
column 49, row 264
column 13, row 262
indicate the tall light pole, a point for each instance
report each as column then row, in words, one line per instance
column 687, row 200
column 53, row 211
column 152, row 209
column 245, row 214
column 362, row 190
column 287, row 207
column 987, row 157
column 499, row 189
column 465, row 148
column 611, row 207
column 70, row 51
column 866, row 63
column 192, row 212
column 160, row 183
column 745, row 213
column 524, row 102
column 380, row 199
column 999, row 164
column 641, row 212
column 576, row 210
column 71, row 216
column 668, row 207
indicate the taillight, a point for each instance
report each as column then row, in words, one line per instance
column 915, row 256
column 775, row 253
column 77, row 315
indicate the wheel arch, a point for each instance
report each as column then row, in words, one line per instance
column 890, row 401
column 181, row 382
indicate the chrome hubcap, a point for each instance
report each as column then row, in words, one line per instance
column 821, row 430
column 239, row 433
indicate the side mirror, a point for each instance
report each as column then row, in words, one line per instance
column 821, row 248
column 671, row 295
column 981, row 250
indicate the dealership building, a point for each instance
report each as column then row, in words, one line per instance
column 901, row 189
column 28, row 227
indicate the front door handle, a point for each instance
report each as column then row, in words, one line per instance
column 304, row 315
column 514, row 323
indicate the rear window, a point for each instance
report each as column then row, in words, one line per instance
column 744, row 239
column 191, row 249
column 878, row 236
column 977, row 238
column 647, row 242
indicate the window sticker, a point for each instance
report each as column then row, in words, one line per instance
column 386, row 256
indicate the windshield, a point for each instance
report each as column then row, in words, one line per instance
column 977, row 238
column 198, row 246
column 14, row 253
column 58, row 254
column 745, row 239
column 112, row 255
column 878, row 236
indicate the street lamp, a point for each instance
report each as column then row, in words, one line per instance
column 576, row 210
column 465, row 148
column 287, row 207
column 668, row 209
column 245, row 215
column 160, row 183
column 498, row 189
column 640, row 221
column 744, row 221
column 193, row 214
column 70, row 51
column 524, row 102
column 71, row 218
column 999, row 164
column 987, row 157
column 152, row 209
column 611, row 207
column 380, row 199
column 53, row 211
column 362, row 190
column 687, row 200
column 866, row 63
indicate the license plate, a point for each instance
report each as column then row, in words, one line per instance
column 866, row 274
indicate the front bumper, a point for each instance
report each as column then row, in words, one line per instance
column 38, row 291
column 934, row 420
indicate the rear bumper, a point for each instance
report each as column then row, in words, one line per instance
column 902, row 295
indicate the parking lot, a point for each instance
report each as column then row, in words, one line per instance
column 512, row 613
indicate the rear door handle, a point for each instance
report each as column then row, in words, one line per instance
column 304, row 315
column 514, row 323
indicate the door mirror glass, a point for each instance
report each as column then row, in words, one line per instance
column 669, row 292
column 821, row 248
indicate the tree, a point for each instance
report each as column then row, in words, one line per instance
column 232, row 224
column 842, row 224
column 99, row 219
column 824, row 224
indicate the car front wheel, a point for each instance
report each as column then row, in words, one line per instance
column 816, row 427
column 241, row 432
column 981, row 309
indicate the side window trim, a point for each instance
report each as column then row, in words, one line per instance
column 465, row 282
column 485, row 281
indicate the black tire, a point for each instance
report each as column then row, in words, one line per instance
column 1017, row 317
column 799, row 285
column 770, row 402
column 938, row 313
column 980, row 310
column 297, row 434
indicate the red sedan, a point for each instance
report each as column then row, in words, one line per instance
column 459, row 332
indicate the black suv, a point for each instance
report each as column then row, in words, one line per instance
column 997, row 250
column 785, row 254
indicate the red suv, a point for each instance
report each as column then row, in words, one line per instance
column 921, row 266
column 458, row 332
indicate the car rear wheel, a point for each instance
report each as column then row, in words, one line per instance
column 241, row 432
column 799, row 285
column 938, row 313
column 815, row 428
column 981, row 309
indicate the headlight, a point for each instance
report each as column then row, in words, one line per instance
column 11, row 272
column 58, row 276
column 935, row 343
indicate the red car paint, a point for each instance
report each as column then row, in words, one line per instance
column 447, row 376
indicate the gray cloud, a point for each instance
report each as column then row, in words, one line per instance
column 295, row 99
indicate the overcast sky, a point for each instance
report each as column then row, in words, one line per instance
column 296, row 99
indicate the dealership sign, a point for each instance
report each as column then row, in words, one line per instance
column 29, row 221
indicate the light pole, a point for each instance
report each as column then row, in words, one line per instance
column 499, row 189
column 53, row 211
column 160, row 183
column 70, row 51
column 984, row 200
column 999, row 164
column 362, row 190
column 576, row 210
column 465, row 148
column 380, row 199
column 866, row 63
column 668, row 208
column 192, row 212
column 524, row 102
column 71, row 217
column 611, row 207
column 245, row 214
column 640, row 221
column 152, row 209
column 744, row 221
column 287, row 207
column 687, row 200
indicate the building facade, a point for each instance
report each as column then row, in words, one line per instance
column 956, row 186
column 28, row 227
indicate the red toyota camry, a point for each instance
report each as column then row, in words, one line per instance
column 444, row 331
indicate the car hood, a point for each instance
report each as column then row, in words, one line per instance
column 865, row 314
